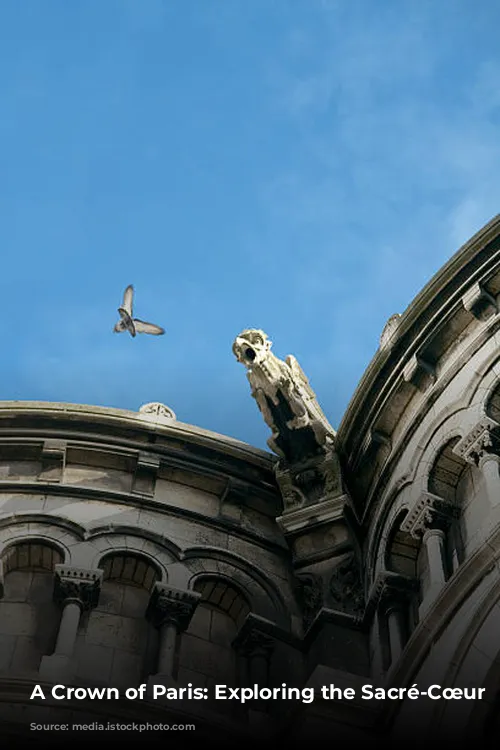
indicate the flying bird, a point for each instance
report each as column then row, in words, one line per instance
column 133, row 325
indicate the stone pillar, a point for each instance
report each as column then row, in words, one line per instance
column 429, row 521
column 390, row 597
column 170, row 610
column 396, row 629
column 489, row 465
column 77, row 590
column 254, row 646
column 433, row 540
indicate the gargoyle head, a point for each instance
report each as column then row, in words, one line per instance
column 251, row 347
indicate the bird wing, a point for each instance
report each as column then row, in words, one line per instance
column 128, row 298
column 119, row 327
column 142, row 327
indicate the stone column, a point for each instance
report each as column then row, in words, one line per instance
column 170, row 610
column 433, row 540
column 254, row 646
column 429, row 521
column 396, row 629
column 77, row 590
column 489, row 465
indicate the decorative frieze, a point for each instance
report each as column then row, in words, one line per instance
column 171, row 606
column 480, row 302
column 53, row 461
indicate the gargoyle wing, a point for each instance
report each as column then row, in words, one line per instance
column 302, row 382
column 299, row 376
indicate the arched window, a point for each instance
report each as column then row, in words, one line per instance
column 206, row 653
column 116, row 644
column 29, row 617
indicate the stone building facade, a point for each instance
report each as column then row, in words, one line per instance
column 137, row 550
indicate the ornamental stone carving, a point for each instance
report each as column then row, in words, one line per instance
column 77, row 584
column 479, row 443
column 309, row 591
column 254, row 638
column 389, row 331
column 429, row 510
column 284, row 397
column 389, row 588
column 156, row 409
column 170, row 606
column 346, row 588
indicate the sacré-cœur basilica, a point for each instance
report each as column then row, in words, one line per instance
column 138, row 550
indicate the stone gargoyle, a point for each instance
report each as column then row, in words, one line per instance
column 285, row 398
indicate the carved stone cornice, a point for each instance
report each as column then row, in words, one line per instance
column 429, row 510
column 330, row 510
column 171, row 606
column 478, row 443
column 80, row 585
column 255, row 638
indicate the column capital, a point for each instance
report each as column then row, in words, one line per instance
column 255, row 638
column 433, row 530
column 169, row 605
column 430, row 511
column 80, row 585
column 391, row 589
column 479, row 443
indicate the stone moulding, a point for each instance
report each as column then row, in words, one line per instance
column 326, row 511
column 434, row 320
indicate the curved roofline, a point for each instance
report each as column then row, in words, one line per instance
column 127, row 418
column 471, row 263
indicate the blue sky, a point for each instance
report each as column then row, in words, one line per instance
column 300, row 166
